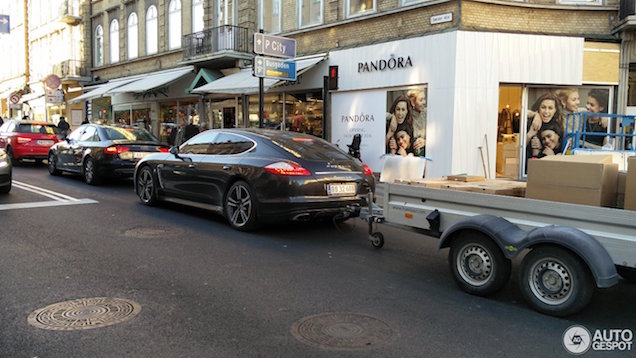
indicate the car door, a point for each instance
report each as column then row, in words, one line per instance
column 178, row 172
column 83, row 146
column 65, row 150
column 220, row 162
column 5, row 130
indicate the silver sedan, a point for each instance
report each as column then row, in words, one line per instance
column 5, row 172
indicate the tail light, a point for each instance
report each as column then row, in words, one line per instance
column 367, row 170
column 22, row 140
column 164, row 149
column 115, row 149
column 287, row 168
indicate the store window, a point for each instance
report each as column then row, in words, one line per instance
column 129, row 117
column 270, row 15
column 272, row 111
column 133, row 36
column 114, row 41
column 152, row 31
column 359, row 7
column 175, row 115
column 301, row 112
column 174, row 24
column 310, row 12
column 197, row 15
column 99, row 46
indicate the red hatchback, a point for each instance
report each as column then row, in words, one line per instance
column 27, row 140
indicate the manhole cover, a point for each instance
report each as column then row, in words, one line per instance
column 84, row 313
column 149, row 232
column 342, row 331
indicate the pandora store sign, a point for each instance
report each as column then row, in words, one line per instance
column 392, row 63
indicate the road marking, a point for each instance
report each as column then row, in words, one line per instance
column 59, row 198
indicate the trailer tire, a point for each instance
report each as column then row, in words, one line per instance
column 377, row 240
column 556, row 282
column 478, row 265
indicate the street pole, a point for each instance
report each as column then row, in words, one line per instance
column 261, row 96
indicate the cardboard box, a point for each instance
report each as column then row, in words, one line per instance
column 511, row 168
column 576, row 179
column 630, row 185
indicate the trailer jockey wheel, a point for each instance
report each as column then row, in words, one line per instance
column 377, row 240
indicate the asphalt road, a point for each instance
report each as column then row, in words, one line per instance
column 204, row 290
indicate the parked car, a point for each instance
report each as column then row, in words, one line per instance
column 27, row 139
column 256, row 175
column 5, row 172
column 96, row 151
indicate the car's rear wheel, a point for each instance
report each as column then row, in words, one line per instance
column 52, row 165
column 146, row 186
column 240, row 207
column 11, row 156
column 90, row 172
column 7, row 188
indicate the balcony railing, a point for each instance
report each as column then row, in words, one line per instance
column 70, row 12
column 628, row 8
column 70, row 68
column 214, row 40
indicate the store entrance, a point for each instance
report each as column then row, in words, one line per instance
column 229, row 117
column 508, row 137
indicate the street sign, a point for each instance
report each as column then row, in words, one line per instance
column 275, row 68
column 14, row 99
column 274, row 46
column 52, row 81
column 5, row 26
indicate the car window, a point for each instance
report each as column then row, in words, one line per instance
column 75, row 135
column 89, row 135
column 134, row 134
column 38, row 128
column 11, row 127
column 199, row 144
column 3, row 128
column 228, row 143
column 308, row 147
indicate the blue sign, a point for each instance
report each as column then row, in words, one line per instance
column 275, row 68
column 274, row 46
column 5, row 26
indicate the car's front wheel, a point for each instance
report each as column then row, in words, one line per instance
column 52, row 165
column 146, row 186
column 240, row 207
column 90, row 172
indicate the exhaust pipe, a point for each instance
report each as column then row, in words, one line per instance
column 302, row 217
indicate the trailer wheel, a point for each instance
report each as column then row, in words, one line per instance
column 478, row 265
column 555, row 282
column 377, row 240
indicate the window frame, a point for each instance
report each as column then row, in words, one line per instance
column 299, row 9
column 261, row 16
column 413, row 2
column 114, row 41
column 349, row 15
column 197, row 6
column 152, row 30
column 99, row 46
column 174, row 25
column 580, row 2
column 132, row 45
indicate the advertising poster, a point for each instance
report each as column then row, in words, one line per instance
column 405, row 133
column 550, row 126
column 360, row 112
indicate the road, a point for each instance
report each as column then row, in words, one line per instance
column 197, row 288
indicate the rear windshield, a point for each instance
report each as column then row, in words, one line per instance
column 309, row 148
column 38, row 128
column 134, row 134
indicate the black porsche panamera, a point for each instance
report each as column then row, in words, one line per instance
column 254, row 176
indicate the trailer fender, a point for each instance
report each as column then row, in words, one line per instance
column 580, row 243
column 505, row 234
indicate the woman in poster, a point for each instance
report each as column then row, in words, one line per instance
column 596, row 103
column 398, row 119
column 545, row 113
column 548, row 142
column 418, row 102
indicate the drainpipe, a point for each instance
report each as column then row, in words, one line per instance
column 459, row 14
column 27, row 70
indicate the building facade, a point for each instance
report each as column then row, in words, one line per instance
column 478, row 65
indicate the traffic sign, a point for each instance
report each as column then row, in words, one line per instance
column 14, row 99
column 276, row 46
column 5, row 24
column 52, row 81
column 275, row 68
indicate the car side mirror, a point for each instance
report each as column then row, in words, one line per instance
column 174, row 150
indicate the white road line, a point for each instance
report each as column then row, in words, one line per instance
column 39, row 193
column 39, row 190
column 43, row 204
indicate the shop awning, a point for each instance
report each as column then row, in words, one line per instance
column 204, row 77
column 153, row 80
column 31, row 96
column 243, row 82
column 102, row 89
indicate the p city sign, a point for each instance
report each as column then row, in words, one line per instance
column 274, row 46
column 275, row 68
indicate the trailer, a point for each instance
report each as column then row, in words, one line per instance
column 568, row 250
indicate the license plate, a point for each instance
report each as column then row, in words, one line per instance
column 44, row 142
column 341, row 189
column 139, row 155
